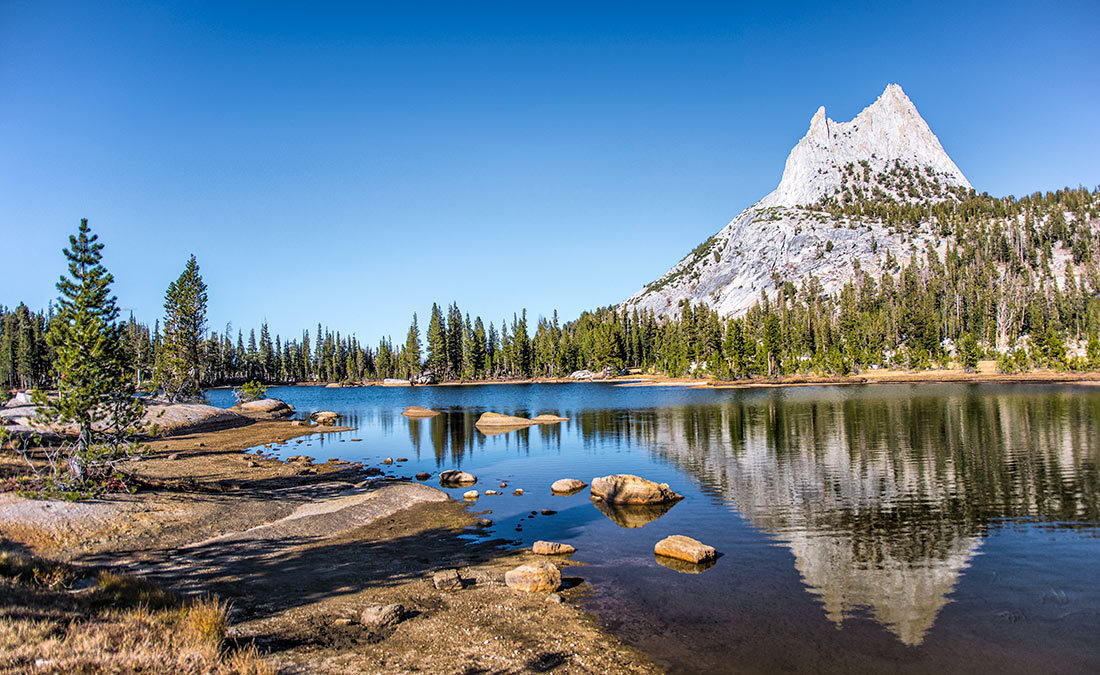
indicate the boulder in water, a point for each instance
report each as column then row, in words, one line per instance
column 325, row 417
column 419, row 411
column 685, row 548
column 626, row 488
column 492, row 419
column 567, row 486
column 455, row 477
column 548, row 419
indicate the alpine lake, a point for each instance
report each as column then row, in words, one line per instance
column 919, row 528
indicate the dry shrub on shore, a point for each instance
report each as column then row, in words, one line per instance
column 119, row 625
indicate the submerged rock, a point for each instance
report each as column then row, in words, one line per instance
column 685, row 548
column 552, row 548
column 492, row 419
column 423, row 475
column 419, row 411
column 456, row 477
column 534, row 577
column 626, row 488
column 566, row 486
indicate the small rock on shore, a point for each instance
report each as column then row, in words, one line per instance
column 382, row 616
column 534, row 577
column 447, row 580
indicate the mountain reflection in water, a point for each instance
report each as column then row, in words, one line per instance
column 883, row 500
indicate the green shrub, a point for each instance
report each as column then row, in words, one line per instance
column 250, row 391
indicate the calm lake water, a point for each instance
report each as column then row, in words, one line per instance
column 901, row 528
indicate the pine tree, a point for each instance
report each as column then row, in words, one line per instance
column 437, row 343
column 184, row 329
column 412, row 349
column 454, row 341
column 95, row 391
column 968, row 353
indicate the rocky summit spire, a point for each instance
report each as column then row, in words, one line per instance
column 887, row 131
column 886, row 154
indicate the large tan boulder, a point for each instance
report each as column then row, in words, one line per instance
column 266, row 405
column 625, row 488
column 265, row 408
column 166, row 419
column 492, row 419
column 685, row 548
column 566, row 486
column 534, row 578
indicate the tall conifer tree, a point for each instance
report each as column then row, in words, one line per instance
column 95, row 391
column 184, row 330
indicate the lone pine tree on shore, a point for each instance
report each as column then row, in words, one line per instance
column 92, row 363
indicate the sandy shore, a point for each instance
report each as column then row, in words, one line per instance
column 300, row 549
column 882, row 376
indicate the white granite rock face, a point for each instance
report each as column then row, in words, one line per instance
column 888, row 149
column 887, row 131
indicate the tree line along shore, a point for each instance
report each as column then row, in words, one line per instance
column 1016, row 283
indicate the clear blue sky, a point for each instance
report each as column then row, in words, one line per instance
column 350, row 165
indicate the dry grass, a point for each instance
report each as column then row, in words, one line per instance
column 118, row 625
